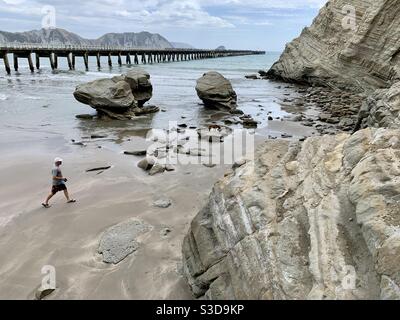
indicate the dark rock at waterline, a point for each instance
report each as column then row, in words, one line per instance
column 85, row 116
column 216, row 91
column 136, row 153
column 252, row 77
column 99, row 169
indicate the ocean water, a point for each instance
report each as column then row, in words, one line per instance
column 42, row 104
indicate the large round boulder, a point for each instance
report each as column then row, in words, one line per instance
column 106, row 94
column 216, row 91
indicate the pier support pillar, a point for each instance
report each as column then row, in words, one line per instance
column 69, row 60
column 136, row 58
column 73, row 61
column 86, row 59
column 119, row 60
column 143, row 58
column 55, row 61
column 7, row 63
column 109, row 60
column 98, row 60
column 37, row 61
column 128, row 58
column 30, row 63
column 15, row 62
column 51, row 57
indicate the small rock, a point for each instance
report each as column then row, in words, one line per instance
column 252, row 77
column 156, row 169
column 84, row 116
column 239, row 163
column 41, row 293
column 163, row 203
column 136, row 153
column 146, row 164
column 97, row 136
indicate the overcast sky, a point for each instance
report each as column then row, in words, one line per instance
column 245, row 24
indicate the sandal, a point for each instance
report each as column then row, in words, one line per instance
column 46, row 205
column 71, row 201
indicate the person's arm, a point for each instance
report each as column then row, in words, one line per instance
column 55, row 177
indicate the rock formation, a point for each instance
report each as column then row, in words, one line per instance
column 121, row 97
column 139, row 81
column 331, row 53
column 381, row 109
column 312, row 220
column 216, row 91
column 317, row 219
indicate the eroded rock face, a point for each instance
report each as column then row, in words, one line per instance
column 216, row 91
column 139, row 81
column 112, row 94
column 367, row 57
column 297, row 222
column 121, row 97
column 381, row 109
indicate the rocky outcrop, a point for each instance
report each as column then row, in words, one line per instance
column 120, row 97
column 216, row 91
column 381, row 109
column 312, row 220
column 331, row 53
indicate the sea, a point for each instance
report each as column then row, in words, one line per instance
column 41, row 104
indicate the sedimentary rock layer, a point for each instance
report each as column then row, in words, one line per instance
column 330, row 52
column 312, row 220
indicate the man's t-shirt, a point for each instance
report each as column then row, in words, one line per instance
column 56, row 172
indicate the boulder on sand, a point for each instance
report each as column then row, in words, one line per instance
column 216, row 91
column 110, row 94
column 121, row 97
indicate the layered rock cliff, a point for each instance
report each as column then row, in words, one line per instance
column 317, row 219
column 312, row 220
column 331, row 53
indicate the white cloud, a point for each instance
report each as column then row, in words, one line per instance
column 154, row 13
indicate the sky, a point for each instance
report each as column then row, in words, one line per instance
column 236, row 24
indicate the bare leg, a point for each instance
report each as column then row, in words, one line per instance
column 67, row 195
column 48, row 198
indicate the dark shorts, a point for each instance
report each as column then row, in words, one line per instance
column 58, row 188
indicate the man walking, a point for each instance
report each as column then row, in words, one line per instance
column 58, row 183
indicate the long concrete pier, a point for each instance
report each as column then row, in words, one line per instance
column 128, row 55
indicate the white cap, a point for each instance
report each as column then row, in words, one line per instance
column 58, row 160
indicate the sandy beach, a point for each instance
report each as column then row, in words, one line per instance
column 67, row 236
